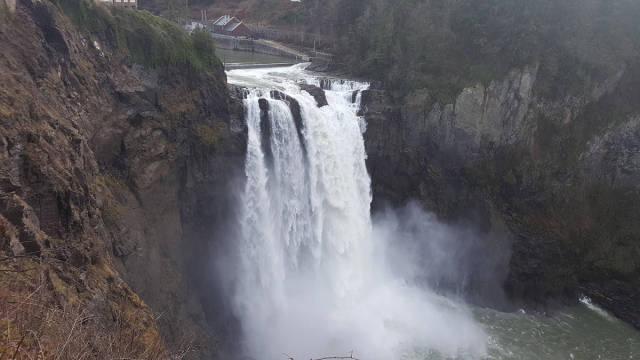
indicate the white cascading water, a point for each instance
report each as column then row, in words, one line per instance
column 313, row 280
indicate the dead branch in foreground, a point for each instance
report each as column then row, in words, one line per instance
column 35, row 325
column 350, row 356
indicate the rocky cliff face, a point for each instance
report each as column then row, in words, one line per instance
column 113, row 175
column 561, row 173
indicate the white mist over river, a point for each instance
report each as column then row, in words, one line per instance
column 314, row 276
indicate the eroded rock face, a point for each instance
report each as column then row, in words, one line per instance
column 317, row 93
column 113, row 175
column 614, row 156
column 490, row 115
column 562, row 174
column 31, row 239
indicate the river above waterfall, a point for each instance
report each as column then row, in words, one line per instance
column 249, row 57
column 313, row 280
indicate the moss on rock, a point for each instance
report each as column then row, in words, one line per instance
column 145, row 38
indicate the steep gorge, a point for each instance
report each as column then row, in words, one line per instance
column 516, row 119
column 114, row 177
column 118, row 167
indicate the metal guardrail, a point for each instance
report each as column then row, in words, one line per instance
column 259, row 46
column 237, row 66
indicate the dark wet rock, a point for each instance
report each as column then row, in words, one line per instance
column 322, row 65
column 325, row 84
column 561, row 175
column 264, row 104
column 354, row 96
column 295, row 112
column 317, row 93
column 619, row 297
column 278, row 95
column 265, row 131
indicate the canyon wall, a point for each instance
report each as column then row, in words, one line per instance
column 516, row 119
column 115, row 173
column 561, row 177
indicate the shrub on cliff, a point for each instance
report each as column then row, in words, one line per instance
column 445, row 46
column 34, row 325
column 146, row 39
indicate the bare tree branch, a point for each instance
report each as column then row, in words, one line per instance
column 349, row 357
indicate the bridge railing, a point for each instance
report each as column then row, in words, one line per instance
column 290, row 36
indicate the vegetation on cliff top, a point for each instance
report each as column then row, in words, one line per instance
column 147, row 39
column 445, row 46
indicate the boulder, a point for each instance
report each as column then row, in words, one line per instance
column 317, row 93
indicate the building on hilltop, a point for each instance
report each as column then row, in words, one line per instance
column 231, row 26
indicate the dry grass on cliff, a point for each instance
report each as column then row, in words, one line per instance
column 34, row 326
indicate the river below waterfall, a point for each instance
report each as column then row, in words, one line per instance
column 313, row 279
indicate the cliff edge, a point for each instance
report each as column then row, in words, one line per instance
column 111, row 121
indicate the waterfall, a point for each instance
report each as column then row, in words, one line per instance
column 311, row 280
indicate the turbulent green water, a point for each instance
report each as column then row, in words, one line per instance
column 580, row 332
column 577, row 333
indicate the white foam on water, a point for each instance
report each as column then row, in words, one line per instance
column 586, row 301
